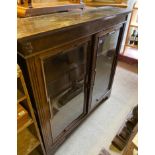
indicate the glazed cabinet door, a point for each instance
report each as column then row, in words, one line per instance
column 65, row 75
column 104, row 59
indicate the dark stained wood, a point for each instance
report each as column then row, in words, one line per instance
column 39, row 25
column 41, row 103
column 94, row 58
column 40, row 38
column 120, row 39
column 32, row 46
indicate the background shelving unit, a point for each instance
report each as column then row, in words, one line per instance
column 28, row 135
column 130, row 51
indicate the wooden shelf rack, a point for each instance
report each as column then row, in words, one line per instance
column 130, row 51
column 28, row 135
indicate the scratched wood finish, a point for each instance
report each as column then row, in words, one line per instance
column 38, row 41
column 41, row 25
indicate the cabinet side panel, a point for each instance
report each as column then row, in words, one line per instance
column 22, row 63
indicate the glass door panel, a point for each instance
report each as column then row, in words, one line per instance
column 65, row 76
column 105, row 56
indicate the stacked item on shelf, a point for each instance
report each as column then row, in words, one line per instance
column 28, row 136
column 133, row 40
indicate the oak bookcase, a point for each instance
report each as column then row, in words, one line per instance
column 28, row 136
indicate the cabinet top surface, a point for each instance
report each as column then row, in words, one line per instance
column 32, row 26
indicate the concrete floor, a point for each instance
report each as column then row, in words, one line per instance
column 98, row 130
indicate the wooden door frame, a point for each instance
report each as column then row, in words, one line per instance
column 96, row 38
column 37, row 79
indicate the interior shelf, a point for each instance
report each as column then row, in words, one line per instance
column 26, row 142
column 132, row 46
column 134, row 25
column 28, row 123
column 20, row 96
column 136, row 6
column 35, row 152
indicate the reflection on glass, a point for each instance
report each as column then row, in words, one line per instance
column 105, row 56
column 64, row 74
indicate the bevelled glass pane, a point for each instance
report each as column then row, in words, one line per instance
column 64, row 75
column 105, row 57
